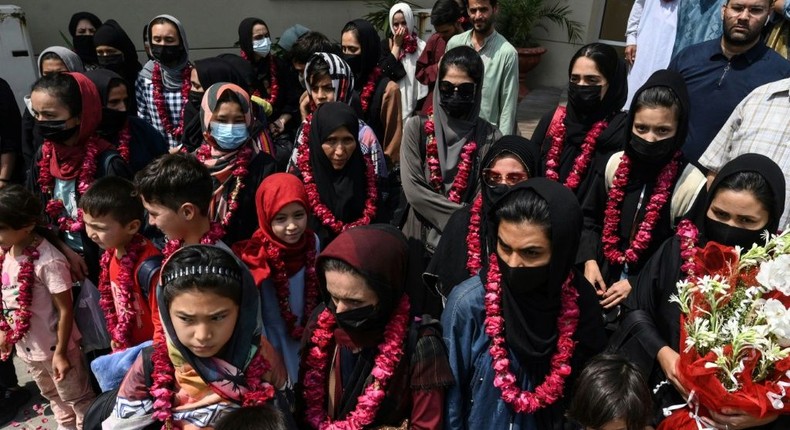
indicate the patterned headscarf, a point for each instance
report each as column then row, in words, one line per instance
column 212, row 95
column 340, row 73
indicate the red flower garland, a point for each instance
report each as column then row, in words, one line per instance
column 162, row 389
column 473, row 250
column 161, row 105
column 688, row 234
column 660, row 197
column 120, row 326
column 282, row 285
column 26, row 279
column 461, row 180
column 557, row 131
column 319, row 209
column 211, row 237
column 385, row 363
column 55, row 208
column 551, row 389
column 409, row 45
column 369, row 89
column 274, row 86
column 240, row 167
column 124, row 136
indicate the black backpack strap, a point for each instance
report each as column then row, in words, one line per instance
column 146, row 272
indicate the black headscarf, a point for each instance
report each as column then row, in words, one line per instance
column 766, row 168
column 245, row 35
column 342, row 191
column 370, row 45
column 210, row 71
column 531, row 318
column 83, row 45
column 449, row 262
column 613, row 68
column 244, row 68
column 112, row 34
column 675, row 82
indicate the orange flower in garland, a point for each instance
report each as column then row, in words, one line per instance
column 25, row 279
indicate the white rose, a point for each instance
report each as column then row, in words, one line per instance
column 775, row 274
column 778, row 319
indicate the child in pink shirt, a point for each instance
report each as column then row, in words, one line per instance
column 37, row 308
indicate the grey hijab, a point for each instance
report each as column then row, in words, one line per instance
column 69, row 57
column 171, row 77
column 453, row 133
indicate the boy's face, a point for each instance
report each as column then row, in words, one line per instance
column 107, row 232
column 170, row 222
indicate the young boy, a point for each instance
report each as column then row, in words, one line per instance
column 176, row 192
column 113, row 215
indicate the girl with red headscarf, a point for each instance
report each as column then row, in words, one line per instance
column 281, row 257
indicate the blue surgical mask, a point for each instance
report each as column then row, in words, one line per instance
column 262, row 46
column 229, row 136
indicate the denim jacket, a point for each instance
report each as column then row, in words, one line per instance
column 474, row 402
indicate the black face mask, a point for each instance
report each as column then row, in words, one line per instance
column 524, row 280
column 55, row 130
column 366, row 318
column 169, row 55
column 83, row 46
column 584, row 98
column 652, row 151
column 195, row 98
column 112, row 121
column 354, row 62
column 455, row 105
column 732, row 236
column 107, row 61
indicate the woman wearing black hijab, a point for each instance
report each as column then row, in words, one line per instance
column 340, row 181
column 82, row 27
column 634, row 202
column 137, row 141
column 530, row 301
column 116, row 52
column 650, row 319
column 273, row 82
column 205, row 73
column 379, row 97
column 597, row 90
column 511, row 160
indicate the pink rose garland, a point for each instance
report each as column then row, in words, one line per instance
column 211, row 237
column 552, row 387
column 557, row 132
column 55, row 209
column 119, row 324
column 385, row 363
column 161, row 105
column 473, row 249
column 240, row 170
column 25, row 280
column 461, row 180
column 660, row 197
column 688, row 234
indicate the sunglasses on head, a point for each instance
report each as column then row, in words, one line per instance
column 465, row 90
column 493, row 178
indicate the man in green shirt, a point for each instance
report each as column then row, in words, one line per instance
column 500, row 84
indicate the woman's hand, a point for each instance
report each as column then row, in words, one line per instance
column 397, row 38
column 736, row 419
column 60, row 366
column 630, row 54
column 5, row 348
column 668, row 360
column 616, row 294
column 593, row 275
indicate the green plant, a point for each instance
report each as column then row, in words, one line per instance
column 517, row 18
column 380, row 15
